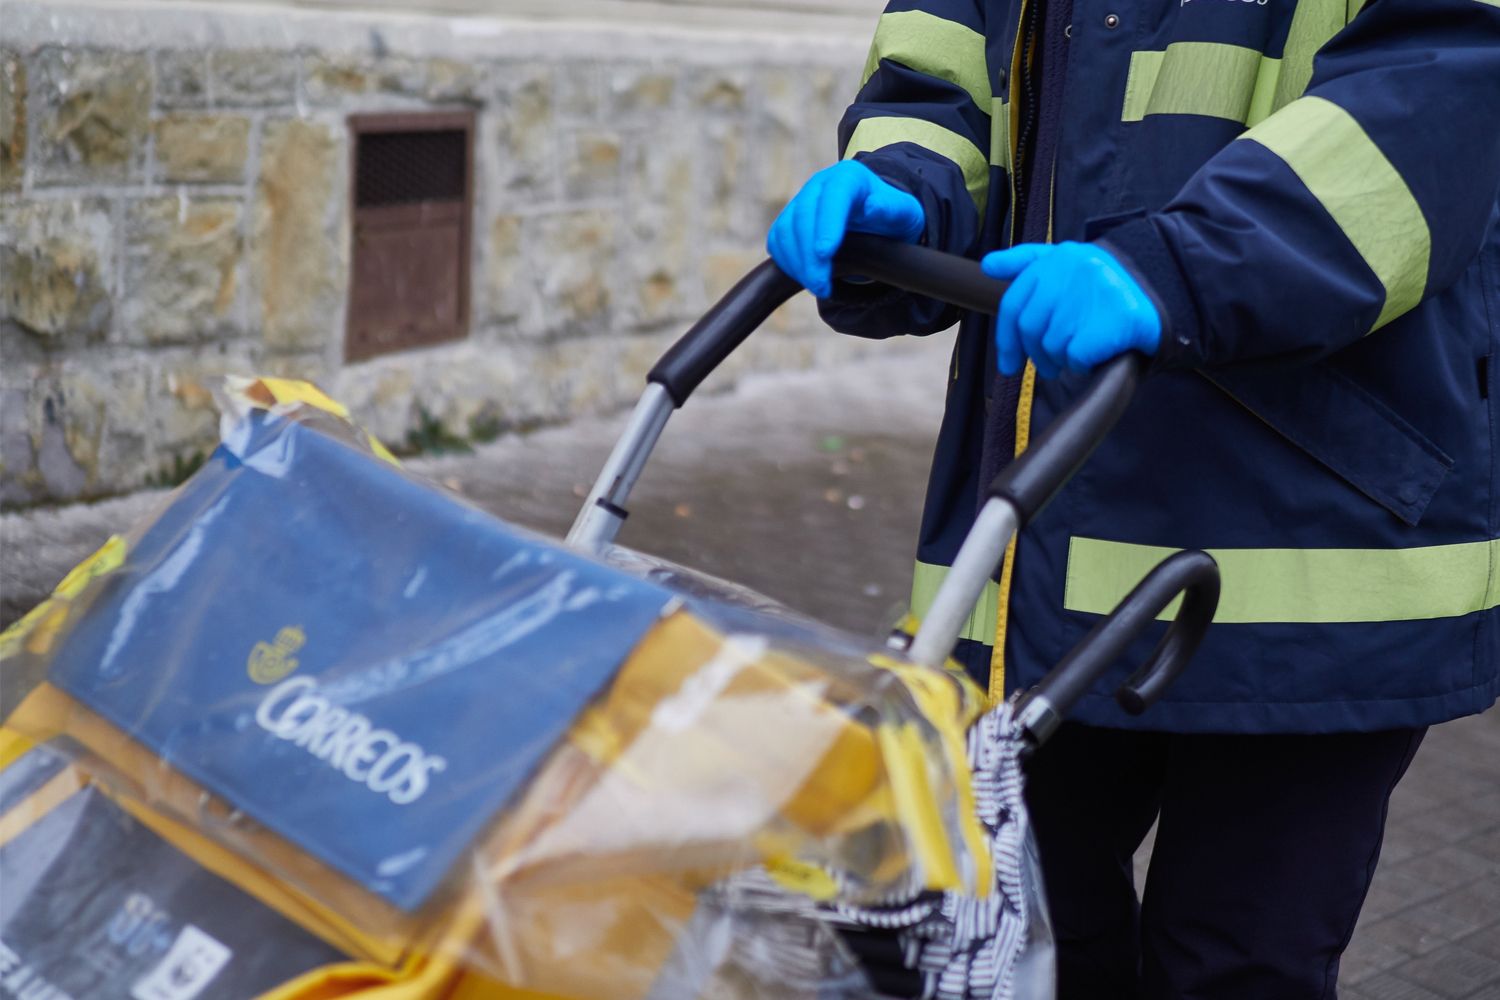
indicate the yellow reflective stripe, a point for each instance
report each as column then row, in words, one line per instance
column 1492, row 3
column 1201, row 78
column 925, row 581
column 1313, row 24
column 1344, row 169
column 874, row 133
column 1312, row 586
column 1000, row 133
column 935, row 46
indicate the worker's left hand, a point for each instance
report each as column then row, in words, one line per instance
column 1070, row 306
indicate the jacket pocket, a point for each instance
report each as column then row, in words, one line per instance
column 1347, row 430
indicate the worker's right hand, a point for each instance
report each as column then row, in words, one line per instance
column 845, row 197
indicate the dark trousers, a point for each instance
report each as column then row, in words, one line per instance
column 1264, row 852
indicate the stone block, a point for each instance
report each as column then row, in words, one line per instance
column 93, row 115
column 727, row 208
column 12, row 120
column 641, row 90
column 20, row 482
column 505, row 288
column 518, row 139
column 451, row 80
column 789, row 147
column 574, row 284
column 578, row 90
column 721, row 90
column 333, row 79
column 201, row 148
column 181, row 79
column 592, row 165
column 181, row 270
column 84, row 433
column 258, row 78
column 830, row 93
column 297, row 247
column 660, row 208
column 55, row 273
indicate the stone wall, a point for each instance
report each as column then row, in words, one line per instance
column 174, row 206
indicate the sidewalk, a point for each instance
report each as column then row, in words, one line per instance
column 808, row 487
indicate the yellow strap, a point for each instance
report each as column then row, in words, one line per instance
column 29, row 811
column 1007, row 569
column 951, row 699
column 905, row 757
column 13, row 745
column 935, row 46
column 53, row 611
column 875, row 133
column 287, row 390
column 1310, row 586
column 1368, row 198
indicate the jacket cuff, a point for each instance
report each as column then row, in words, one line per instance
column 1141, row 250
column 878, row 311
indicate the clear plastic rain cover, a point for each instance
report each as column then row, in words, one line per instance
column 317, row 728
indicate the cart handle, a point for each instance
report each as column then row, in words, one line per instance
column 1191, row 574
column 748, row 304
column 1023, row 488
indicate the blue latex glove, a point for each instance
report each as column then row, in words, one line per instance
column 845, row 197
column 1070, row 306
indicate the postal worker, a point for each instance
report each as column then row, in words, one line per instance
column 1291, row 207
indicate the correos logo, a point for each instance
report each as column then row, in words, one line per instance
column 376, row 758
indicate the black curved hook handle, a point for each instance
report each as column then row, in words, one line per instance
column 748, row 304
column 1192, row 574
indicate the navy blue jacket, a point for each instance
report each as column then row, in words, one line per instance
column 1309, row 192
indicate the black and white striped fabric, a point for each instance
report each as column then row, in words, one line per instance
column 937, row 946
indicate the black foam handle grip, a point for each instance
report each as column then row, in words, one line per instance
column 1192, row 574
column 748, row 304
column 1034, row 477
column 722, row 329
column 929, row 272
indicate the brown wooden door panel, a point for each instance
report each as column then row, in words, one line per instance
column 412, row 195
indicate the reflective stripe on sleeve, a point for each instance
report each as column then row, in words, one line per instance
column 980, row 627
column 1369, row 200
column 1201, row 78
column 1309, row 586
column 874, row 133
column 935, row 46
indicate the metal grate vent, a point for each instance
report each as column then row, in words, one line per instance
column 411, row 185
column 399, row 168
